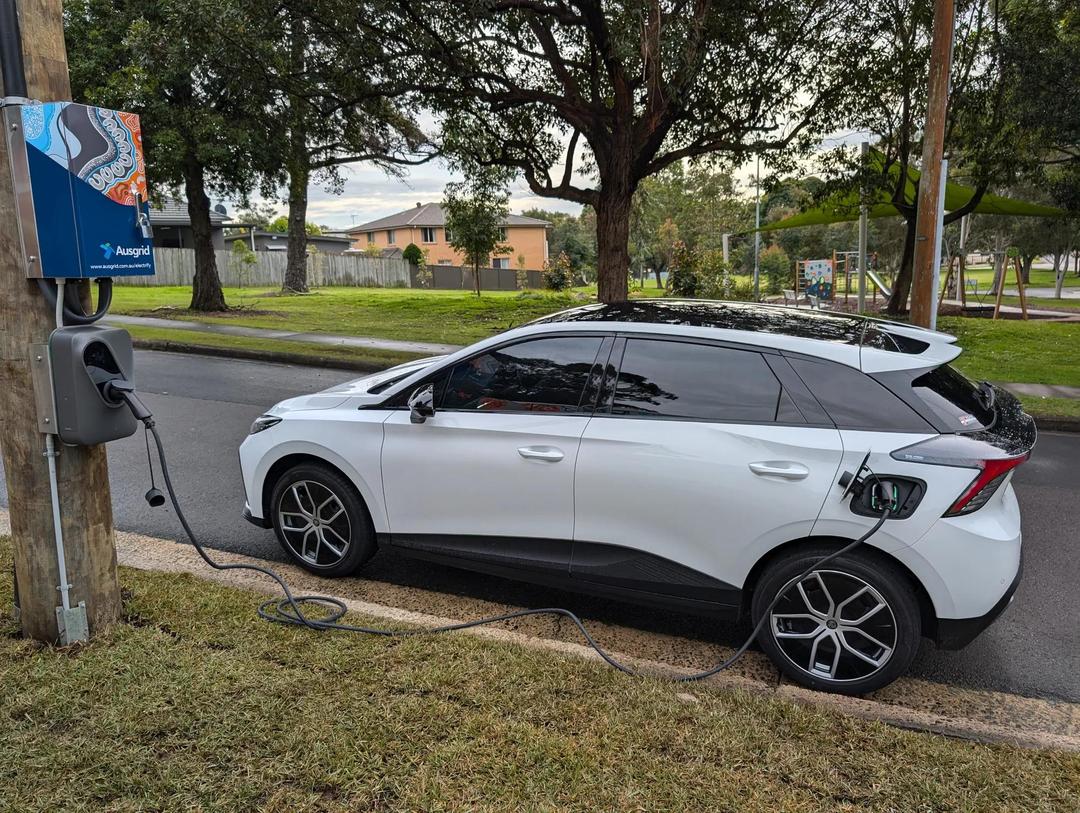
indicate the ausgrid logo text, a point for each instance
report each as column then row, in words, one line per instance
column 133, row 251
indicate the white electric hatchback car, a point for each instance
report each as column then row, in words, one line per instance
column 697, row 455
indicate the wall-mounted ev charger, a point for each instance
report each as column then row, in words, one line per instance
column 86, row 360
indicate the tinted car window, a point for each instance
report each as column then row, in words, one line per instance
column 695, row 381
column 954, row 397
column 542, row 375
column 853, row 400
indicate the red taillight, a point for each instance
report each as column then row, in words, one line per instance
column 991, row 475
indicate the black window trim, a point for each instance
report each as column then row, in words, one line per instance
column 616, row 359
column 399, row 401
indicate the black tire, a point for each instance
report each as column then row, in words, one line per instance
column 337, row 547
column 888, row 636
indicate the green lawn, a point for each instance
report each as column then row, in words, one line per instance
column 1011, row 350
column 193, row 703
column 449, row 317
column 1040, row 277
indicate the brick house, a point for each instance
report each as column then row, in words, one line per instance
column 425, row 225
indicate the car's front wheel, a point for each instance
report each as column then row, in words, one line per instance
column 851, row 627
column 321, row 521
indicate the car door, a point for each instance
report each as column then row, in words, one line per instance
column 490, row 476
column 703, row 457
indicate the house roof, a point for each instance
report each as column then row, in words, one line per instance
column 174, row 212
column 431, row 214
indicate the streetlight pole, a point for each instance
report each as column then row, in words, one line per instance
column 757, row 228
column 864, row 227
column 931, row 182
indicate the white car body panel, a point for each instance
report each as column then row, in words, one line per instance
column 346, row 437
column 685, row 490
column 461, row 473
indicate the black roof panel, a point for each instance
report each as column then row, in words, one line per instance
column 804, row 324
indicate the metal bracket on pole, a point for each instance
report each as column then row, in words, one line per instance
column 72, row 624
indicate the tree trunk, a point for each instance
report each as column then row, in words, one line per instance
column 296, row 269
column 1000, row 261
column 659, row 271
column 206, row 294
column 1025, row 273
column 613, row 241
column 898, row 301
column 299, row 171
column 476, row 276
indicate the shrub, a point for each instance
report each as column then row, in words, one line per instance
column 682, row 273
column 558, row 275
column 775, row 266
column 412, row 254
column 424, row 277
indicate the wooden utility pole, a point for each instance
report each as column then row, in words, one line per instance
column 25, row 321
column 927, row 234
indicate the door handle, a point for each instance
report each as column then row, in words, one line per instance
column 785, row 469
column 547, row 453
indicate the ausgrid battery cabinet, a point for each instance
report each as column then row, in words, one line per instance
column 80, row 190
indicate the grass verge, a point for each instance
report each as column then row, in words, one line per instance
column 1051, row 408
column 326, row 355
column 193, row 703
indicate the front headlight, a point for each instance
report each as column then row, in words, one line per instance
column 264, row 422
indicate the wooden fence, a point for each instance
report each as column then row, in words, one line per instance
column 176, row 266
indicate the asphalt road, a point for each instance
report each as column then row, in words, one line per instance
column 204, row 406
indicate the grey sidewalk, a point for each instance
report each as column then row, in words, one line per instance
column 328, row 339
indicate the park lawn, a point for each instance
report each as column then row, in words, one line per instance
column 448, row 317
column 192, row 702
column 1040, row 303
column 1014, row 351
column 1040, row 277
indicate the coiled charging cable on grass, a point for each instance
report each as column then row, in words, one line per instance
column 287, row 610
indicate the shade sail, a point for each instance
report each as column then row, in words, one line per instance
column 843, row 207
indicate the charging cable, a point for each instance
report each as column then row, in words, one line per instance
column 287, row 610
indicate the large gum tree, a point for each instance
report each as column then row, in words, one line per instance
column 584, row 98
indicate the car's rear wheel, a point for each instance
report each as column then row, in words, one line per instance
column 321, row 521
column 851, row 627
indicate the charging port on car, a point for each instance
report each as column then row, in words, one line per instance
column 899, row 495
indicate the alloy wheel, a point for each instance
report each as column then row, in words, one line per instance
column 314, row 523
column 834, row 626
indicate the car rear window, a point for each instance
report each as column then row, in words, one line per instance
column 954, row 397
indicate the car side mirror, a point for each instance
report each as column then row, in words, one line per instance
column 422, row 403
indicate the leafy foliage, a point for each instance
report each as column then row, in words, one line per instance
column 775, row 268
column 704, row 275
column 614, row 93
column 476, row 210
column 412, row 254
column 558, row 273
